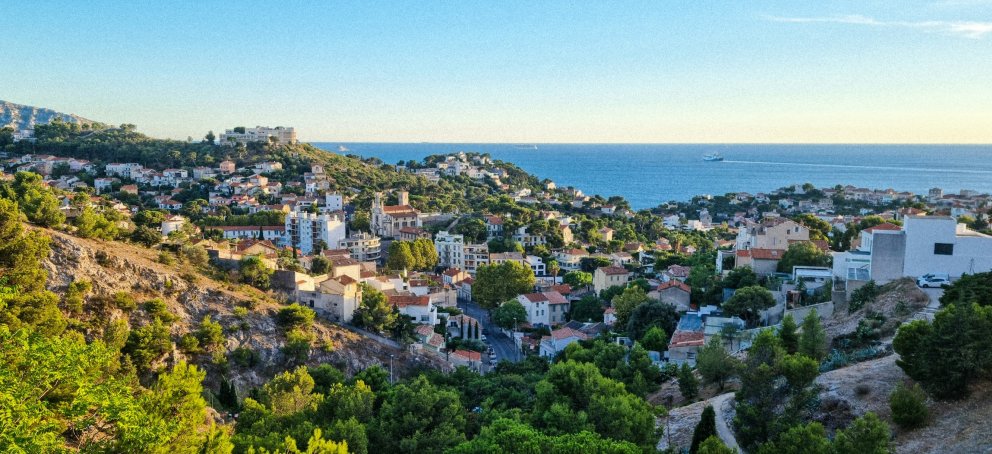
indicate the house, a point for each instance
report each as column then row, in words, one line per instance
column 673, row 292
column 102, row 184
column 172, row 224
column 413, row 233
column 688, row 338
column 763, row 262
column 467, row 358
column 476, row 255
column 494, row 226
column 770, row 233
column 227, row 167
column 558, row 340
column 610, row 316
column 452, row 276
column 536, row 265
column 335, row 297
column 885, row 244
column 545, row 308
column 570, row 259
column 418, row 308
column 130, row 189
column 273, row 233
column 609, row 276
column 387, row 220
column 465, row 289
column 499, row 257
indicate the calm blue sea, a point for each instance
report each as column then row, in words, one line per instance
column 648, row 175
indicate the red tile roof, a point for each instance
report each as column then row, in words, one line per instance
column 687, row 339
column 675, row 284
column 767, row 254
column 564, row 289
column 408, row 300
column 614, row 270
column 399, row 210
column 535, row 297
column 565, row 333
column 555, row 298
column 468, row 354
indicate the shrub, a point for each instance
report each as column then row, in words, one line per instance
column 295, row 316
column 125, row 302
column 909, row 408
column 157, row 308
column 189, row 344
column 245, row 357
column 298, row 344
column 866, row 294
column 166, row 258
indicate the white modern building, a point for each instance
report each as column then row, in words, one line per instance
column 450, row 249
column 305, row 230
column 362, row 246
column 242, row 135
column 333, row 202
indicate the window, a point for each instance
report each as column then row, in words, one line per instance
column 943, row 248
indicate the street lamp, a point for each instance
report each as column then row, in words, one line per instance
column 391, row 368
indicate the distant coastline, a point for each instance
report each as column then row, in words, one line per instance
column 648, row 175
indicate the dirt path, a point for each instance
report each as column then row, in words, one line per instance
column 721, row 404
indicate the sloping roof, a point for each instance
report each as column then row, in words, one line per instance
column 767, row 254
column 468, row 355
column 409, row 300
column 436, row 340
column 565, row 333
column 613, row 270
column 535, row 297
column 687, row 339
column 675, row 284
column 452, row 272
column 679, row 270
column 564, row 289
column 424, row 330
column 555, row 298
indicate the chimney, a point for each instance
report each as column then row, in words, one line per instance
column 404, row 198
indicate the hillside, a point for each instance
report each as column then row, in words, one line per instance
column 19, row 116
column 113, row 267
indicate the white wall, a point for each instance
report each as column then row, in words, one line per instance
column 972, row 252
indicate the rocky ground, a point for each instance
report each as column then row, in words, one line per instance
column 114, row 267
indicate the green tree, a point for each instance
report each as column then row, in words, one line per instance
column 295, row 316
column 578, row 279
column 706, row 428
column 740, row 277
column 748, row 302
column 655, row 339
column 400, row 256
column 909, row 407
column 688, row 384
column 813, row 340
column 802, row 254
column 36, row 200
column 788, row 335
column 867, row 434
column 625, row 303
column 713, row 445
column 650, row 314
column 210, row 334
column 320, row 265
column 374, row 312
column 495, row 284
column 254, row 272
column 148, row 343
column 715, row 364
column 589, row 308
column 509, row 314
column 146, row 236
column 802, row 439
column 511, row 436
column 419, row 417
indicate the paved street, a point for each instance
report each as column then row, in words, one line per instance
column 502, row 344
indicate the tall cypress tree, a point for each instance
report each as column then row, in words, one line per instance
column 705, row 429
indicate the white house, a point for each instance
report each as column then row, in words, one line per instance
column 419, row 308
column 305, row 230
column 547, row 308
column 172, row 224
column 559, row 339
column 938, row 244
column 450, row 249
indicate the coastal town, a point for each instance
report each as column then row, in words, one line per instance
column 813, row 247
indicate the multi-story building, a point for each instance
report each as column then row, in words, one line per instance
column 242, row 135
column 609, row 276
column 274, row 233
column 362, row 246
column 450, row 249
column 305, row 230
column 388, row 220
column 476, row 255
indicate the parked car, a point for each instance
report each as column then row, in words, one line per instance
column 936, row 280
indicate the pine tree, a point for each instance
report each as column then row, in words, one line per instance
column 688, row 384
column 788, row 335
column 813, row 341
column 705, row 429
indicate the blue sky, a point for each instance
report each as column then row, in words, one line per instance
column 507, row 71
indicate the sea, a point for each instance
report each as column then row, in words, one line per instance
column 649, row 175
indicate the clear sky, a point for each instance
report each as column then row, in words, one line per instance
column 514, row 71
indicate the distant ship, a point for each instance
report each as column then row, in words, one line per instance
column 713, row 157
column 343, row 148
column 526, row 147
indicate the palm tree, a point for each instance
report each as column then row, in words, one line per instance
column 554, row 268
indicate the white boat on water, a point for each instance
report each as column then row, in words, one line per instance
column 343, row 148
column 713, row 157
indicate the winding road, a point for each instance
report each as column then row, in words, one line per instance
column 721, row 403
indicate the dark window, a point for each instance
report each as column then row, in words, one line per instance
column 943, row 249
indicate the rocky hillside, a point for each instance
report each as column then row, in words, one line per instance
column 19, row 116
column 113, row 267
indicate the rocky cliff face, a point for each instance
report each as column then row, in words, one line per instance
column 113, row 267
column 19, row 116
